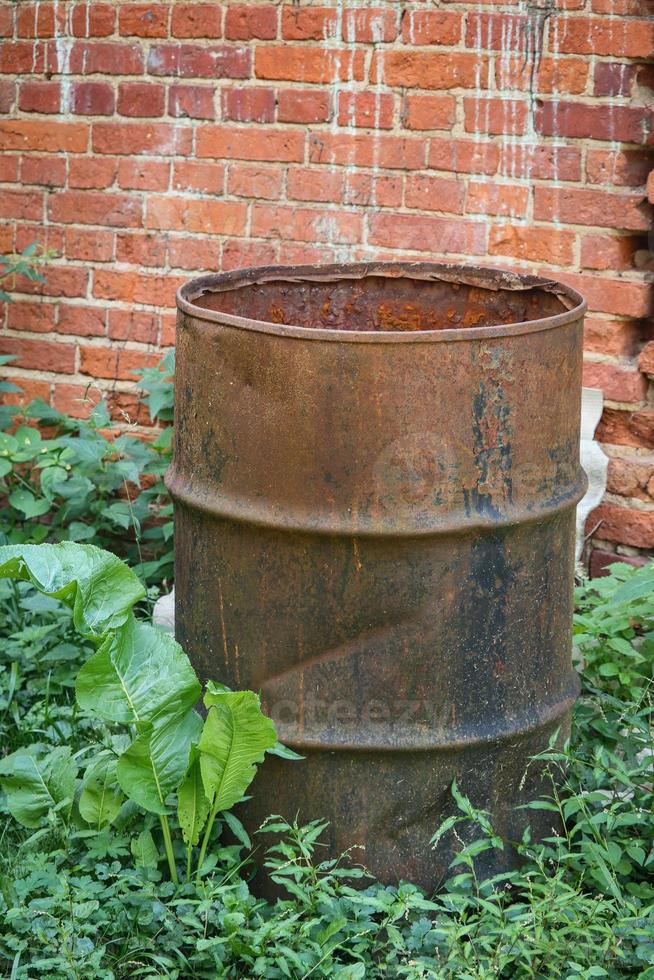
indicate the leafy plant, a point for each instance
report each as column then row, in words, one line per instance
column 91, row 897
column 88, row 481
column 26, row 264
column 138, row 677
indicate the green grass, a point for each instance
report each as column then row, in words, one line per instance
column 86, row 904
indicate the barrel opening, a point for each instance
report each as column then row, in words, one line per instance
column 379, row 303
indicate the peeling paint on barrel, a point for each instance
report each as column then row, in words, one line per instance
column 375, row 478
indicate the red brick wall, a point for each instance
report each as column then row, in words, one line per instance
column 146, row 142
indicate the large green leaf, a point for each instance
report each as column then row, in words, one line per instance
column 101, row 797
column 97, row 585
column 192, row 803
column 36, row 784
column 156, row 762
column 234, row 738
column 28, row 504
column 637, row 586
column 140, row 674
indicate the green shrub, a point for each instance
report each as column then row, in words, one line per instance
column 86, row 902
column 89, row 481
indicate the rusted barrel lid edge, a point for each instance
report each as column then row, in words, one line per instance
column 455, row 522
column 485, row 278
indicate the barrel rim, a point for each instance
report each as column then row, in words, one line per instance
column 480, row 276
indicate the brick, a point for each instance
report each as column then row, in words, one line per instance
column 626, row 428
column 89, row 246
column 426, row 70
column 630, row 477
column 138, row 325
column 292, row 254
column 92, row 99
column 373, row 190
column 81, row 321
column 431, row 27
column 8, row 90
column 31, row 317
column 190, row 214
column 106, row 362
column 91, row 173
column 608, row 252
column 306, row 184
column 199, row 61
column 600, row 561
column 39, row 19
column 76, row 400
column 439, row 236
column 311, row 65
column 623, row 525
column 428, row 112
column 49, row 236
column 495, row 31
column 631, row 124
column 558, row 76
column 96, row 208
column 375, row 25
column 309, row 23
column 620, row 37
column 501, row 199
column 50, row 171
column 358, row 150
column 192, row 175
column 646, row 359
column 463, row 156
column 191, row 101
column 619, row 297
column 255, row 182
column 9, row 168
column 302, row 106
column 39, row 355
column 197, row 20
column 21, row 57
column 245, row 22
column 22, row 204
column 194, row 253
column 495, row 116
column 540, row 162
column 93, row 19
column 242, row 144
column 619, row 383
column 143, row 175
column 140, row 99
column 305, row 224
column 532, row 244
column 622, row 168
column 39, row 96
column 101, row 58
column 429, row 193
column 147, row 138
column 371, row 110
column 618, row 338
column 133, row 287
column 581, row 206
column 137, row 248
column 612, row 78
column 168, row 329
column 248, row 104
column 30, row 389
column 143, row 20
column 238, row 254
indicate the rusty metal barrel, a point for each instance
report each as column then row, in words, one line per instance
column 375, row 474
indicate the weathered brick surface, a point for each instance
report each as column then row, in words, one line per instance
column 147, row 141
